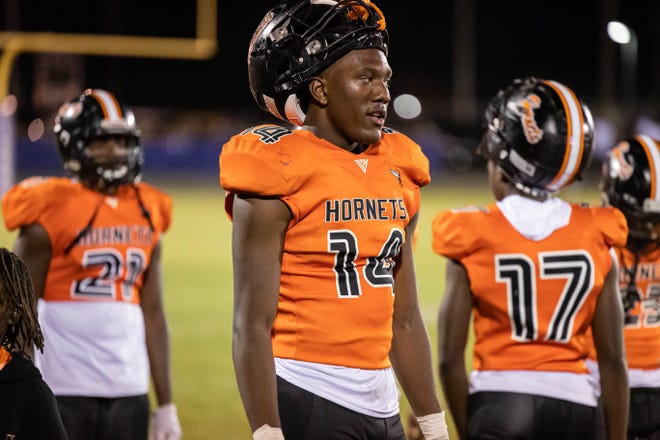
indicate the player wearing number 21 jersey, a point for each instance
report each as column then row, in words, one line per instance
column 92, row 243
column 95, row 283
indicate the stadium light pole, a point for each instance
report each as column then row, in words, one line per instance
column 627, row 40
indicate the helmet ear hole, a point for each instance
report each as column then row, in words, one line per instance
column 493, row 146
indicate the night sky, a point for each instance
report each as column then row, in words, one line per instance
column 560, row 40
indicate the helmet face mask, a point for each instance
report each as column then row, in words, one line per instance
column 540, row 135
column 297, row 40
column 97, row 115
column 630, row 181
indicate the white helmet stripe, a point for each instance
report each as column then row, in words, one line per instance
column 109, row 104
column 654, row 164
column 271, row 106
column 294, row 113
column 575, row 139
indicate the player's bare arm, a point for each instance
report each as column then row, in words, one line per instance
column 453, row 326
column 411, row 354
column 33, row 246
column 257, row 245
column 607, row 329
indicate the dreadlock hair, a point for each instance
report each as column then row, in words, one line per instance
column 17, row 295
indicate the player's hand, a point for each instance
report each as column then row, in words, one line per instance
column 165, row 423
column 413, row 432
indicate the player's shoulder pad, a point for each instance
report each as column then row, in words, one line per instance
column 26, row 201
column 407, row 155
column 159, row 205
column 260, row 160
column 610, row 222
column 456, row 232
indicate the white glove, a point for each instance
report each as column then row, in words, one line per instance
column 165, row 423
column 267, row 432
column 434, row 426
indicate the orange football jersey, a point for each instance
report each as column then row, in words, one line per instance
column 642, row 323
column 108, row 263
column 349, row 213
column 533, row 300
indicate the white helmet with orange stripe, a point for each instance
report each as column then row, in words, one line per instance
column 540, row 134
column 97, row 114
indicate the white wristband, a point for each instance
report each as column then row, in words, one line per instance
column 434, row 426
column 267, row 432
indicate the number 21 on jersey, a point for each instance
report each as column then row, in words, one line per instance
column 111, row 266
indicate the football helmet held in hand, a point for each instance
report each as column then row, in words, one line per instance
column 296, row 40
column 540, row 134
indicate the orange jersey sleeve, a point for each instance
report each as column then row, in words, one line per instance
column 349, row 214
column 533, row 300
column 260, row 161
column 108, row 262
column 29, row 202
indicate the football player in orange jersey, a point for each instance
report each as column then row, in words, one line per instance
column 325, row 302
column 631, row 183
column 27, row 406
column 537, row 272
column 92, row 244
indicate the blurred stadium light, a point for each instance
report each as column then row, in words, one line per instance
column 407, row 106
column 627, row 39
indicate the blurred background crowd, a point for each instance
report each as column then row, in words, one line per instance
column 182, row 67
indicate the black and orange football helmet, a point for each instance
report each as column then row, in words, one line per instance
column 630, row 181
column 96, row 114
column 540, row 134
column 297, row 39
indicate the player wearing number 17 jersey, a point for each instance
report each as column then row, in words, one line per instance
column 93, row 245
column 536, row 272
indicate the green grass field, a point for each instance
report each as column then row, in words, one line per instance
column 198, row 295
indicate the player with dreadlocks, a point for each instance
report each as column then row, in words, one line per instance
column 18, row 306
column 27, row 406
